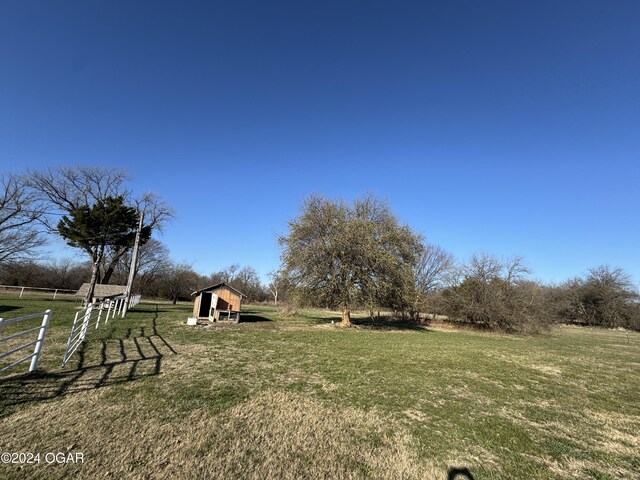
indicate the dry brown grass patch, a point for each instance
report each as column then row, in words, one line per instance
column 274, row 435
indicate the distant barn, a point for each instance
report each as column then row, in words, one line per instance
column 101, row 292
column 219, row 302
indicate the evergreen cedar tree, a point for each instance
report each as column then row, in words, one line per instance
column 341, row 255
column 109, row 223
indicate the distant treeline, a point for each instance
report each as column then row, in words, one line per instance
column 484, row 292
column 162, row 279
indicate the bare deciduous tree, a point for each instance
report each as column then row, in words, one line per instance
column 429, row 273
column 19, row 212
column 180, row 281
column 276, row 277
column 153, row 262
column 69, row 188
column 245, row 279
column 230, row 273
column 346, row 254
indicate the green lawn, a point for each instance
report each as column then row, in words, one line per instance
column 298, row 397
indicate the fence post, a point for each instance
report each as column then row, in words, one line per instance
column 40, row 341
column 85, row 322
column 73, row 327
column 21, row 292
column 55, row 293
column 99, row 315
column 106, row 318
column 1, row 324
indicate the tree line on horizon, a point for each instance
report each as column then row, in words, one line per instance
column 334, row 255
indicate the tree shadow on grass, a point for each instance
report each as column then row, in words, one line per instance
column 385, row 323
column 368, row 323
column 118, row 360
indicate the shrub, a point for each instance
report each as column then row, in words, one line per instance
column 495, row 295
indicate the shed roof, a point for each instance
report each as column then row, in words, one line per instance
column 216, row 286
column 102, row 291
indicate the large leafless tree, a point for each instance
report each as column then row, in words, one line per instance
column 342, row 253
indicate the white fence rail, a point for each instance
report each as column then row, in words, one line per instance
column 35, row 356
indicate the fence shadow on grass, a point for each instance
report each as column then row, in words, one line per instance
column 7, row 308
column 155, row 310
column 115, row 361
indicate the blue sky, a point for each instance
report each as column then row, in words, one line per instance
column 508, row 127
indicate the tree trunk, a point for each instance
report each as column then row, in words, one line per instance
column 95, row 271
column 346, row 317
column 92, row 284
column 109, row 269
column 107, row 275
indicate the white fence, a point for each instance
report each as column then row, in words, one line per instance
column 90, row 317
column 134, row 300
column 38, row 289
column 42, row 330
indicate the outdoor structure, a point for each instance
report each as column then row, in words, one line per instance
column 220, row 302
column 102, row 292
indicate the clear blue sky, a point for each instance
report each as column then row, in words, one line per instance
column 509, row 127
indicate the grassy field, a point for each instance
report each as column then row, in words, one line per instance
column 298, row 397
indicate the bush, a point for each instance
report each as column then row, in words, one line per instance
column 606, row 297
column 495, row 295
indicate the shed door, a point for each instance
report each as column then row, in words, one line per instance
column 205, row 304
column 214, row 304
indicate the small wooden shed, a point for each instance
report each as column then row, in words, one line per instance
column 219, row 302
